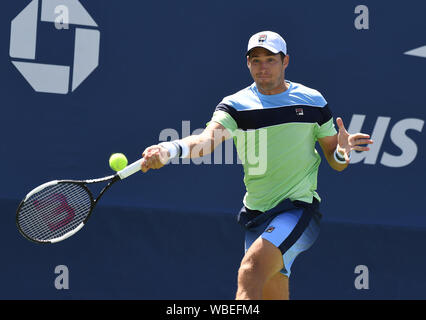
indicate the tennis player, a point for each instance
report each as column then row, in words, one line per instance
column 281, row 206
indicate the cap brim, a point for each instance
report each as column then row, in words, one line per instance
column 274, row 51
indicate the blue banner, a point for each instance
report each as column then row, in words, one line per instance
column 84, row 79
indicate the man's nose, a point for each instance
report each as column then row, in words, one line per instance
column 263, row 65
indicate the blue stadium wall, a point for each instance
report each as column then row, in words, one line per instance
column 171, row 233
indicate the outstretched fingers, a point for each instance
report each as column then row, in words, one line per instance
column 361, row 142
column 340, row 124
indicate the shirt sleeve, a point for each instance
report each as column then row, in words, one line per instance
column 326, row 125
column 223, row 116
column 327, row 129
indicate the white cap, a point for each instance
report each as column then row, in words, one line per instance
column 268, row 40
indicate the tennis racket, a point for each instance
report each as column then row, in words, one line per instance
column 58, row 209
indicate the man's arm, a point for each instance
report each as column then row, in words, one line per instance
column 156, row 156
column 205, row 143
column 328, row 146
column 343, row 143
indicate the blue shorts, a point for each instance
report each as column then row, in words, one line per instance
column 292, row 231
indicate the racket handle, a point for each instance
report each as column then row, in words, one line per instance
column 130, row 169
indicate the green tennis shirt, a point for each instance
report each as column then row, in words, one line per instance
column 275, row 137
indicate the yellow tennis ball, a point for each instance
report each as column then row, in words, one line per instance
column 117, row 161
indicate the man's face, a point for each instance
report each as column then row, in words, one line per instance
column 266, row 68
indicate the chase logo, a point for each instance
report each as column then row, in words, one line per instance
column 51, row 78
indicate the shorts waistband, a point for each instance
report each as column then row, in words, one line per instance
column 250, row 218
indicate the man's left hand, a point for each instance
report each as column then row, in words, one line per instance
column 347, row 142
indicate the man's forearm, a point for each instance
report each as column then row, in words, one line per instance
column 199, row 145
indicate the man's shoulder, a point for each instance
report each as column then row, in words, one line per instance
column 241, row 99
column 307, row 95
column 298, row 94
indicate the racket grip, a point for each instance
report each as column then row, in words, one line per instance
column 130, row 169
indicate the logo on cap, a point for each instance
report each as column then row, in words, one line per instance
column 262, row 38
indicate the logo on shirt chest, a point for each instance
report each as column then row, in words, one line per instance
column 299, row 111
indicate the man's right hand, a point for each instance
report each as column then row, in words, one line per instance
column 154, row 157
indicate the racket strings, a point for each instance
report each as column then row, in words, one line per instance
column 49, row 205
column 44, row 216
column 51, row 209
column 52, row 216
column 54, row 211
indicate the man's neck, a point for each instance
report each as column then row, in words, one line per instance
column 279, row 89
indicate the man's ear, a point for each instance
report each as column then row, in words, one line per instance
column 248, row 62
column 286, row 61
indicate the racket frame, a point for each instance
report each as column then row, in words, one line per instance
column 82, row 183
column 120, row 175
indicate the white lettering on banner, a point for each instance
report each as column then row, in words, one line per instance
column 377, row 136
column 398, row 137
